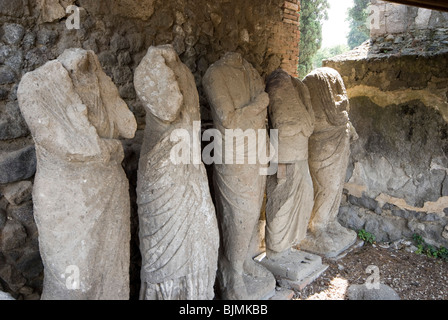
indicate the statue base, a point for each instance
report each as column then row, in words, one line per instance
column 293, row 269
column 330, row 242
column 259, row 284
column 259, row 288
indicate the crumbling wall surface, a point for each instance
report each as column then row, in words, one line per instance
column 406, row 30
column 33, row 32
column 397, row 182
column 391, row 18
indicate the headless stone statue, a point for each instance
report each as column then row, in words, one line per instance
column 236, row 95
column 81, row 196
column 329, row 151
column 179, row 235
column 290, row 193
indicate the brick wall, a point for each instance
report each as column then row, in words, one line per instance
column 285, row 41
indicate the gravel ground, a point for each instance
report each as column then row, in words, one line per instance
column 412, row 276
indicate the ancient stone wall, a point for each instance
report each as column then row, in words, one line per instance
column 398, row 87
column 392, row 19
column 265, row 32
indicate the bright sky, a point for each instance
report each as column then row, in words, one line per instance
column 335, row 29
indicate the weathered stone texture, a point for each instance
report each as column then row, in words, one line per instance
column 120, row 32
column 13, row 8
column 390, row 18
column 362, row 292
column 81, row 199
column 17, row 165
column 238, row 100
column 290, row 195
column 179, row 236
column 329, row 152
column 51, row 10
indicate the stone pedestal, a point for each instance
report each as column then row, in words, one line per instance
column 293, row 269
column 259, row 288
column 331, row 242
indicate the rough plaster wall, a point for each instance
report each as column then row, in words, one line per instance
column 120, row 32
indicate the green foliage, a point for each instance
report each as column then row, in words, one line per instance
column 357, row 17
column 313, row 13
column 443, row 254
column 366, row 236
column 325, row 53
column 418, row 239
column 429, row 250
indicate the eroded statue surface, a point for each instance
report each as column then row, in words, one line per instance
column 329, row 151
column 179, row 236
column 237, row 99
column 289, row 193
column 81, row 196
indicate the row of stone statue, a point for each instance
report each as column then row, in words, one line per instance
column 81, row 198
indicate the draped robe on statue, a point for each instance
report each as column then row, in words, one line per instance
column 329, row 148
column 81, row 196
column 290, row 198
column 236, row 94
column 178, row 230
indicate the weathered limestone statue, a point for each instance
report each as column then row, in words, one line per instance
column 81, row 196
column 329, row 151
column 238, row 101
column 179, row 236
column 290, row 194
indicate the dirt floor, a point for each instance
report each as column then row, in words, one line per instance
column 412, row 276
